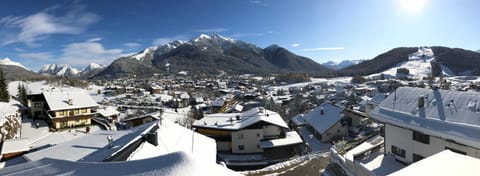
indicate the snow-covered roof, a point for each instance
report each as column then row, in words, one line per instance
column 448, row 114
column 178, row 164
column 59, row 100
column 7, row 109
column 377, row 99
column 228, row 121
column 291, row 138
column 442, row 163
column 93, row 147
column 321, row 123
column 172, row 138
column 217, row 102
column 13, row 146
column 108, row 111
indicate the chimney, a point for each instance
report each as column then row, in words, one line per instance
column 70, row 101
column 321, row 111
column 421, row 102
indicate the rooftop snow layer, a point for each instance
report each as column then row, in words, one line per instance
column 59, row 100
column 448, row 114
column 229, row 121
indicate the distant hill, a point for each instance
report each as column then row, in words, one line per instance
column 211, row 54
column 379, row 63
column 16, row 73
column 450, row 61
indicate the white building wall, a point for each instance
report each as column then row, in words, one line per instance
column 334, row 132
column 249, row 138
column 402, row 137
column 271, row 130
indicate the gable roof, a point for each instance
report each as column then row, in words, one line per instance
column 228, row 121
column 449, row 114
column 177, row 163
column 59, row 100
column 321, row 123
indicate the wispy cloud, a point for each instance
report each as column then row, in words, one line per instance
column 132, row 45
column 82, row 53
column 41, row 25
column 96, row 39
column 255, row 2
column 42, row 56
column 324, row 49
column 211, row 30
column 295, row 45
column 165, row 40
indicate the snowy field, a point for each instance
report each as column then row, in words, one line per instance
column 332, row 81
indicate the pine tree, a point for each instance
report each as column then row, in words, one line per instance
column 4, row 97
column 22, row 94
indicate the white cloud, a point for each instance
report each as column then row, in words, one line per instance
column 97, row 39
column 165, row 40
column 324, row 49
column 43, row 56
column 132, row 45
column 33, row 28
column 83, row 53
column 211, row 30
column 295, row 45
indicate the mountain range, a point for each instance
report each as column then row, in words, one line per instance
column 211, row 54
column 214, row 53
column 343, row 64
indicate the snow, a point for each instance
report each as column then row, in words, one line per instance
column 60, row 100
column 442, row 163
column 7, row 61
column 108, row 111
column 418, row 69
column 58, row 70
column 365, row 146
column 286, row 164
column 291, row 138
column 321, row 123
column 380, row 164
column 91, row 147
column 141, row 55
column 172, row 138
column 313, row 143
column 92, row 66
column 337, row 80
column 178, row 164
column 446, row 114
column 229, row 121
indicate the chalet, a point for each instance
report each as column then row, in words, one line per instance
column 422, row 122
column 325, row 121
column 62, row 108
column 254, row 131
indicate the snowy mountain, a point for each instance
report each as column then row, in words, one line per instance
column 211, row 54
column 7, row 61
column 341, row 65
column 58, row 70
column 93, row 66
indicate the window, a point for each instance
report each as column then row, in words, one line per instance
column 420, row 137
column 258, row 146
column 61, row 113
column 417, row 157
column 84, row 110
column 37, row 105
column 240, row 136
column 76, row 111
column 456, row 151
column 241, row 147
column 258, row 134
column 398, row 151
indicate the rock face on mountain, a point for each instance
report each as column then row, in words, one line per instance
column 211, row 54
column 63, row 70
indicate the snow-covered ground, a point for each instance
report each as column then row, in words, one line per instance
column 341, row 80
column 418, row 69
column 313, row 143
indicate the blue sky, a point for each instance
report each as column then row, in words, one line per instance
column 79, row 32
